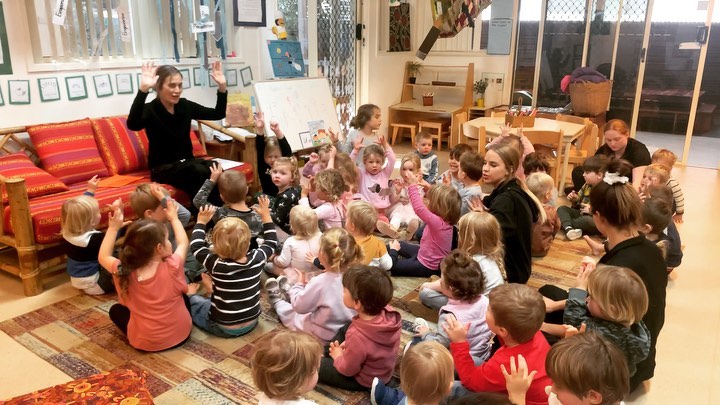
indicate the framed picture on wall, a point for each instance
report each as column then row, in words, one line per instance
column 76, row 87
column 5, row 65
column 49, row 88
column 249, row 13
column 186, row 78
column 231, row 76
column 196, row 76
column 124, row 83
column 103, row 86
column 2, row 100
column 246, row 76
column 19, row 91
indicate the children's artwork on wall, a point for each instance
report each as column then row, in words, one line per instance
column 5, row 65
column 231, row 76
column 103, row 85
column 186, row 78
column 19, row 91
column 124, row 83
column 399, row 28
column 287, row 59
column 49, row 89
column 246, row 76
column 76, row 87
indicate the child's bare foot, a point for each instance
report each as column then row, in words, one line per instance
column 596, row 247
column 387, row 229
column 207, row 284
column 413, row 226
column 192, row 289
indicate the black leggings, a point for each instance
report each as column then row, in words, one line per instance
column 328, row 375
column 187, row 176
column 120, row 315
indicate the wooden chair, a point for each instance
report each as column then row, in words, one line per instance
column 458, row 120
column 552, row 140
column 498, row 113
column 480, row 137
column 438, row 130
column 586, row 145
column 397, row 128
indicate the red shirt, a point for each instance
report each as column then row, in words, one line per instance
column 159, row 318
column 488, row 377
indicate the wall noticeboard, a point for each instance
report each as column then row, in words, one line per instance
column 499, row 36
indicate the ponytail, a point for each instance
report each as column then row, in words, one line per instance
column 615, row 199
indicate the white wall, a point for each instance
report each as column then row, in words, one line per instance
column 246, row 42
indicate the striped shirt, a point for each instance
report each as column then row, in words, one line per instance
column 678, row 196
column 236, row 286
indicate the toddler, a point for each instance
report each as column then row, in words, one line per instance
column 285, row 177
column 269, row 149
column 305, row 240
column 543, row 186
column 655, row 174
column 78, row 219
column 318, row 161
column 450, row 178
column 470, row 174
column 401, row 212
column 536, row 162
column 350, row 174
column 271, row 359
column 316, row 306
column 520, row 142
column 153, row 311
column 578, row 219
column 329, row 186
column 666, row 158
column 360, row 223
column 364, row 124
column 368, row 346
column 379, row 162
column 658, row 228
column 234, row 307
column 423, row 149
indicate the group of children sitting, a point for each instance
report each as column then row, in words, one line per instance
column 330, row 284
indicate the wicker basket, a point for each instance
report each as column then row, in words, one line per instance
column 590, row 98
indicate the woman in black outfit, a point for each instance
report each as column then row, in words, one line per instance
column 166, row 121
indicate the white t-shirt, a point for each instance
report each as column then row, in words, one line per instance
column 491, row 272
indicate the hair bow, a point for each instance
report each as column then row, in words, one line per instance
column 612, row 178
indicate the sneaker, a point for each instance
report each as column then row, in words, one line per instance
column 284, row 286
column 377, row 392
column 574, row 234
column 273, row 289
column 419, row 323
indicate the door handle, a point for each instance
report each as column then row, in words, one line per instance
column 642, row 55
column 702, row 34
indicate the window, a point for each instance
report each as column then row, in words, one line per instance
column 92, row 30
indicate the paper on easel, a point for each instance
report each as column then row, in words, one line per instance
column 227, row 164
column 239, row 110
column 319, row 133
column 60, row 12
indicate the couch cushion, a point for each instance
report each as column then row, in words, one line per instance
column 68, row 150
column 38, row 182
column 122, row 149
column 197, row 147
column 45, row 210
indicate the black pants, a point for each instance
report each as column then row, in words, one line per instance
column 408, row 265
column 105, row 280
column 120, row 315
column 187, row 176
column 328, row 375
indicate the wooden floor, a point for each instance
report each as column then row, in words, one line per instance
column 688, row 370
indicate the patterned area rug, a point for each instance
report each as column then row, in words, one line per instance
column 77, row 337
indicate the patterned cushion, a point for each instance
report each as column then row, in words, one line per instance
column 122, row 149
column 37, row 181
column 45, row 210
column 198, row 150
column 68, row 150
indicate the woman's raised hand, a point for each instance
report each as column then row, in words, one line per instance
column 148, row 77
column 218, row 76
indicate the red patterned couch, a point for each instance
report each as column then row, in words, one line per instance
column 68, row 154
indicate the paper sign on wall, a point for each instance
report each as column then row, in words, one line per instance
column 60, row 12
column 124, row 21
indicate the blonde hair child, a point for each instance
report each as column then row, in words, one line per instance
column 269, row 150
column 667, row 158
column 655, row 174
column 401, row 213
column 543, row 233
column 79, row 217
column 316, row 306
column 379, row 163
column 271, row 359
column 305, row 239
column 440, row 216
column 150, row 281
column 286, row 177
column 329, row 187
column 361, row 220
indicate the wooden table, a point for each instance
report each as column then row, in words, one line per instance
column 246, row 145
column 492, row 126
column 413, row 111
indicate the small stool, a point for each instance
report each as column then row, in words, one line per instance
column 437, row 129
column 397, row 128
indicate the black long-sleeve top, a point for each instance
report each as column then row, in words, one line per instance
column 268, row 187
column 169, row 134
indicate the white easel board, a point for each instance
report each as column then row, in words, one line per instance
column 297, row 105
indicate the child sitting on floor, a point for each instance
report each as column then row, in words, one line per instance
column 79, row 217
column 368, row 346
column 317, row 162
column 271, row 359
column 578, row 219
column 428, row 158
column 470, row 174
column 401, row 212
column 234, row 307
column 666, row 158
column 329, row 186
column 543, row 186
column 379, row 163
column 305, row 240
column 269, row 149
column 285, row 177
column 536, row 162
column 316, row 306
column 450, row 178
column 361, row 220
column 658, row 228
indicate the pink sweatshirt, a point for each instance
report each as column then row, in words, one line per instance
column 375, row 188
column 371, row 347
column 333, row 215
column 436, row 241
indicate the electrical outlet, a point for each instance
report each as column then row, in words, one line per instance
column 497, row 80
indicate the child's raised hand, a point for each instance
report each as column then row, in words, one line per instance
column 116, row 219
column 409, row 178
column 398, row 186
column 93, row 184
column 358, row 143
column 336, row 349
column 116, row 204
column 263, row 208
column 587, row 265
column 205, row 214
column 314, row 158
column 678, row 218
column 215, row 172
column 259, row 119
column 423, row 183
column 572, row 331
column 332, row 153
column 275, row 127
column 518, row 380
column 505, row 130
column 333, row 135
column 476, row 204
column 382, row 141
column 305, row 188
column 157, row 191
column 455, row 330
column 171, row 210
column 447, row 179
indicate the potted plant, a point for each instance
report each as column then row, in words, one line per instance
column 479, row 87
column 413, row 68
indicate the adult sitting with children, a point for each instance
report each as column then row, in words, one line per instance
column 166, row 121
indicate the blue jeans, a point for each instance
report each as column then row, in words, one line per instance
column 200, row 312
